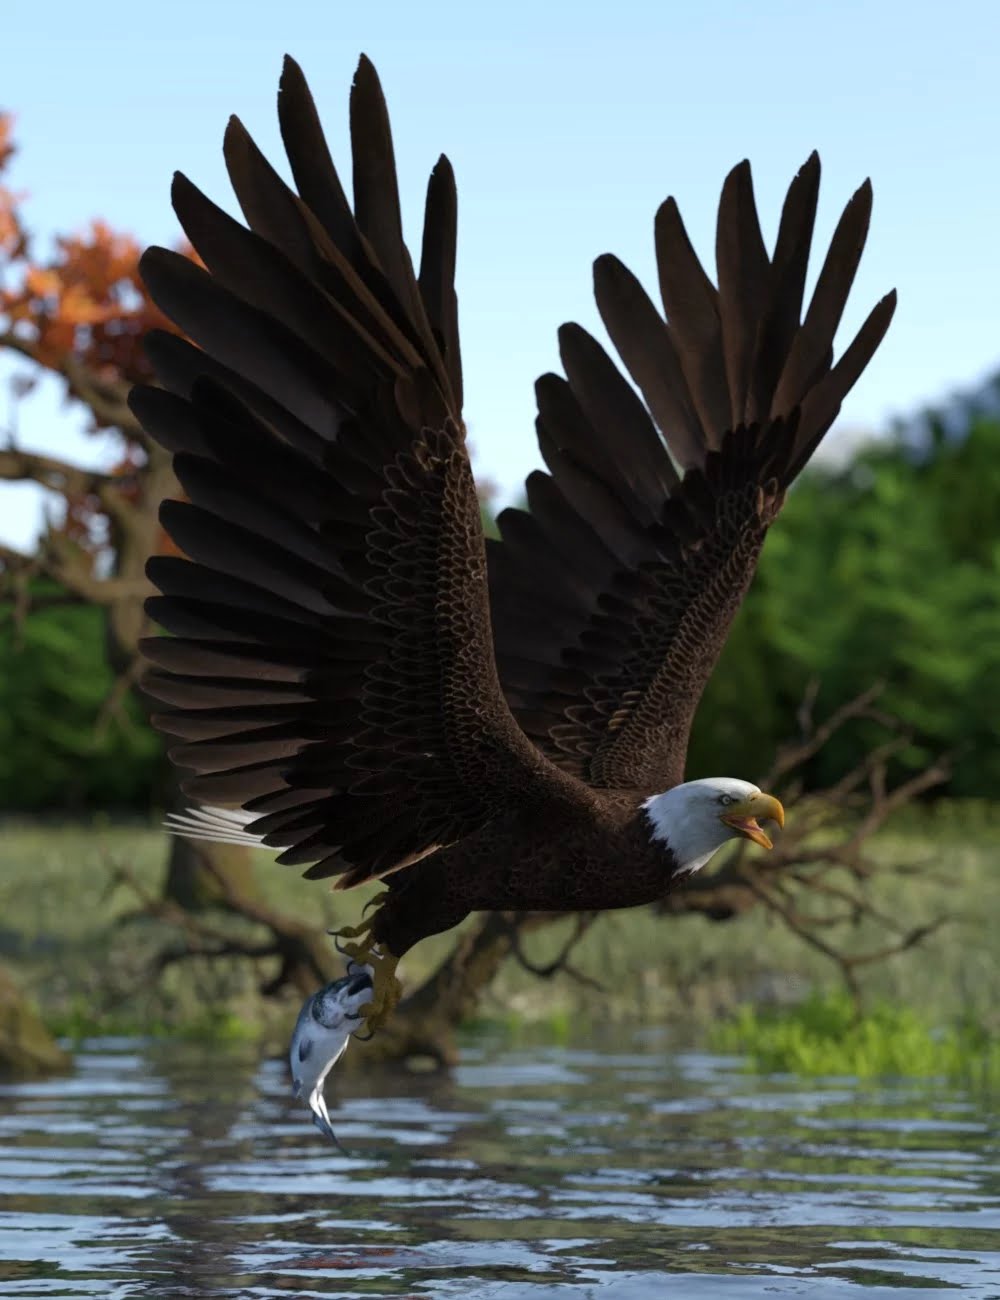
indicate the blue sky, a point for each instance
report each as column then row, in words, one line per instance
column 567, row 124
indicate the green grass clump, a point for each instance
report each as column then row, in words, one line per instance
column 824, row 1035
column 76, row 1022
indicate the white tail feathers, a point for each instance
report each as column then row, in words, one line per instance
column 220, row 825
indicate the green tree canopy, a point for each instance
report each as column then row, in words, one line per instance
column 888, row 569
column 69, row 739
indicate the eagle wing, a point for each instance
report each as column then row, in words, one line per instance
column 331, row 667
column 613, row 592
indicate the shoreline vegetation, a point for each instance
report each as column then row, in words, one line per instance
column 747, row 986
column 826, row 1036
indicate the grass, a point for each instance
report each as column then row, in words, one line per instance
column 823, row 1035
column 212, row 1025
column 62, row 928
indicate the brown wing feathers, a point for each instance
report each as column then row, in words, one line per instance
column 645, row 572
column 331, row 663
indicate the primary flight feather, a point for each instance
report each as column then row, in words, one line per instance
column 487, row 726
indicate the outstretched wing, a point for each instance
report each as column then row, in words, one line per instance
column 613, row 593
column 331, row 666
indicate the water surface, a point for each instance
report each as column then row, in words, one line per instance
column 628, row 1171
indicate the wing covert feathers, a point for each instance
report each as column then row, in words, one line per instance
column 331, row 666
column 613, row 594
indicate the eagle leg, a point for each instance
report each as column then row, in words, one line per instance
column 387, row 989
column 351, row 932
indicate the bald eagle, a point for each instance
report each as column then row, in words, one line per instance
column 380, row 692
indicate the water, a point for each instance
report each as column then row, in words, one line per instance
column 166, row 1170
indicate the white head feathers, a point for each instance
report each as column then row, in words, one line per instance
column 687, row 818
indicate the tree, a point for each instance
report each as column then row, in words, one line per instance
column 81, row 314
column 67, row 741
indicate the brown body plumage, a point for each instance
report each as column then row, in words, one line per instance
column 594, row 856
column 340, row 666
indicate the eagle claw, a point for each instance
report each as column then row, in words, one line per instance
column 387, row 989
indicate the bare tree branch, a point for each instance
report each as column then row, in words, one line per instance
column 105, row 396
column 50, row 472
column 18, row 465
column 560, row 963
column 804, row 858
column 795, row 754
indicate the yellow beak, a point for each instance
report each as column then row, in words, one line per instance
column 743, row 816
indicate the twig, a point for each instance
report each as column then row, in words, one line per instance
column 791, row 756
column 106, row 398
column 560, row 963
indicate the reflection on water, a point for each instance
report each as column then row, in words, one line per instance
column 167, row 1170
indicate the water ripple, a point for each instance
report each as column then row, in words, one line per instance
column 164, row 1170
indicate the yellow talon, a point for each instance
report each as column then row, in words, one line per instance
column 387, row 990
column 354, row 931
column 376, row 900
column 359, row 954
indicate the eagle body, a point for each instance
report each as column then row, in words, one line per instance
column 596, row 857
column 382, row 692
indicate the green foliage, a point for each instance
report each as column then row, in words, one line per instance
column 60, row 745
column 888, row 570
column 78, row 1022
column 824, row 1036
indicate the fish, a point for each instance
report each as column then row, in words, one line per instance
column 319, row 1040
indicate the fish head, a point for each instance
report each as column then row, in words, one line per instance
column 342, row 999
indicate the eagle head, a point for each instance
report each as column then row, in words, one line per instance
column 695, row 819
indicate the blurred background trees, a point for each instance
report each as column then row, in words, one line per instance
column 72, row 608
column 887, row 568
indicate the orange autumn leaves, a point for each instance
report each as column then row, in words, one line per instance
column 84, row 301
column 79, row 312
column 11, row 234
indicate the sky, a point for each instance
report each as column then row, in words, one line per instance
column 567, row 124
